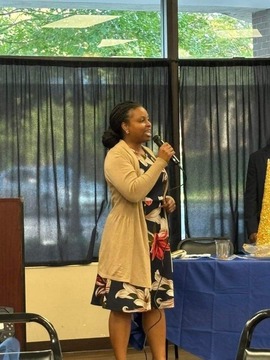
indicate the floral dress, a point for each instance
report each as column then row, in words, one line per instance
column 126, row 297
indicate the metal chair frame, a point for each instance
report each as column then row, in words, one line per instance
column 176, row 355
column 201, row 245
column 31, row 317
column 245, row 352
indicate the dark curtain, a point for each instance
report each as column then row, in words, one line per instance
column 52, row 117
column 224, row 115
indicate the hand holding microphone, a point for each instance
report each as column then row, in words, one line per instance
column 166, row 152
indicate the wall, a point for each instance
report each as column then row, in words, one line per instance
column 261, row 45
column 62, row 295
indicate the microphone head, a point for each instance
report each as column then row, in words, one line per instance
column 157, row 140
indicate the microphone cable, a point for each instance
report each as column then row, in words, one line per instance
column 156, row 140
column 158, row 320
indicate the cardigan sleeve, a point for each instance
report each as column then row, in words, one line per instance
column 122, row 171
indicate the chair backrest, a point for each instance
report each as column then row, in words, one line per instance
column 54, row 353
column 7, row 329
column 256, row 354
column 245, row 352
column 201, row 245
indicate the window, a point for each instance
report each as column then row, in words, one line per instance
column 81, row 29
column 212, row 30
column 133, row 29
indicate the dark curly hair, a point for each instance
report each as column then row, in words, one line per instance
column 119, row 114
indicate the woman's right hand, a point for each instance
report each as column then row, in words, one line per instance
column 166, row 152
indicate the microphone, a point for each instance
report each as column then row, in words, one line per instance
column 157, row 140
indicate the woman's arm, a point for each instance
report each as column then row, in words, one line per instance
column 121, row 172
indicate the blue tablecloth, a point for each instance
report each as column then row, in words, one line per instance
column 213, row 301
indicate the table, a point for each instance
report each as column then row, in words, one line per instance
column 213, row 301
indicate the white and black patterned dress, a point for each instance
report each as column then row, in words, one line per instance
column 126, row 297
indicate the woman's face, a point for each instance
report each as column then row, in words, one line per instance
column 138, row 126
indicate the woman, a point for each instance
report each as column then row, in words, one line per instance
column 134, row 270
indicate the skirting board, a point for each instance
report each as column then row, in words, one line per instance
column 73, row 345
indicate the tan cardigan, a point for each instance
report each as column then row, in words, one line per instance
column 124, row 251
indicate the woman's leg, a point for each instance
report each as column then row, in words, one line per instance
column 119, row 329
column 154, row 325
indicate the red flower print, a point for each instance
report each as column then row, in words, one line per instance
column 160, row 244
column 101, row 284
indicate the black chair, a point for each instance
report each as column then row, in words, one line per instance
column 201, row 245
column 53, row 353
column 245, row 352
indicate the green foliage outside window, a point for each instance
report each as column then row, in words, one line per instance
column 22, row 33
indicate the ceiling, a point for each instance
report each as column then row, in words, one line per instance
column 186, row 5
column 236, row 8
